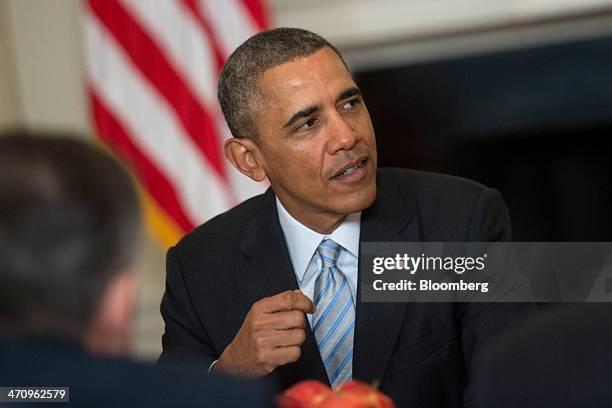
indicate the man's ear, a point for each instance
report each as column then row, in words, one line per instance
column 110, row 329
column 243, row 154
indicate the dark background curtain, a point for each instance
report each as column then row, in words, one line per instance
column 534, row 123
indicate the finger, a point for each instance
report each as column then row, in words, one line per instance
column 285, row 355
column 294, row 319
column 286, row 301
column 306, row 304
column 281, row 338
column 288, row 338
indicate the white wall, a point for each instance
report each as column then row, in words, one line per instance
column 374, row 33
column 359, row 23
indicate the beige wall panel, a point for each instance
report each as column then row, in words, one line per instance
column 47, row 39
column 9, row 103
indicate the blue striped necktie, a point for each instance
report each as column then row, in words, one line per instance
column 334, row 319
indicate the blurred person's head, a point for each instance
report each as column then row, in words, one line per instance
column 69, row 223
column 298, row 119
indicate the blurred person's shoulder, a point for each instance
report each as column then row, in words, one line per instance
column 101, row 382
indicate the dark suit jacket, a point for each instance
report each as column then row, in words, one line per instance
column 562, row 359
column 419, row 352
column 111, row 382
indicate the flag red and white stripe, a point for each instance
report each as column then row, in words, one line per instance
column 152, row 71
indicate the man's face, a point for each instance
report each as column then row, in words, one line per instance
column 316, row 140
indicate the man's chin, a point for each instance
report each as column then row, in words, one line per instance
column 358, row 201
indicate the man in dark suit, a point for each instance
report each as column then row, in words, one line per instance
column 270, row 287
column 69, row 223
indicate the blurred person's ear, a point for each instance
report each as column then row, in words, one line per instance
column 110, row 330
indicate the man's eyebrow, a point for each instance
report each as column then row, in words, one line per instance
column 347, row 93
column 304, row 113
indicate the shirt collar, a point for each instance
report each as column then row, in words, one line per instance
column 302, row 242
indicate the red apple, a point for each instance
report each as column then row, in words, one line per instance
column 284, row 401
column 370, row 395
column 343, row 400
column 355, row 386
column 307, row 393
column 315, row 394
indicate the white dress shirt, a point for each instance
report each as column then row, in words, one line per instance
column 303, row 242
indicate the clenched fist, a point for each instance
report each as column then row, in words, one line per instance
column 270, row 336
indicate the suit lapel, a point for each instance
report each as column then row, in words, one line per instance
column 378, row 324
column 269, row 268
column 268, row 272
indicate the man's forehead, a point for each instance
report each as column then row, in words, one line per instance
column 293, row 80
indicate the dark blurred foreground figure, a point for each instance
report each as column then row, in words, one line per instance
column 562, row 359
column 69, row 223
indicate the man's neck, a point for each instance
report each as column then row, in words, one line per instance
column 323, row 223
column 327, row 226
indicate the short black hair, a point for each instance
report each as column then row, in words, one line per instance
column 69, row 221
column 239, row 94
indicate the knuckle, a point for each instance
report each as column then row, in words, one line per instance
column 259, row 343
column 256, row 308
column 261, row 357
column 300, row 319
column 288, row 298
column 256, row 325
column 295, row 318
column 268, row 368
column 295, row 353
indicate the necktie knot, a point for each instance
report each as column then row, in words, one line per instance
column 328, row 250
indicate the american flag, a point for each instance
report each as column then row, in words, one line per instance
column 151, row 76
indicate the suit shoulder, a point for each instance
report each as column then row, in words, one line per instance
column 225, row 227
column 426, row 184
column 449, row 208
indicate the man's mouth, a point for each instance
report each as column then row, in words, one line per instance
column 350, row 168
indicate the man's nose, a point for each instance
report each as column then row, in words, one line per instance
column 342, row 134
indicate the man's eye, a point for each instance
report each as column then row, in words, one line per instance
column 308, row 124
column 348, row 105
